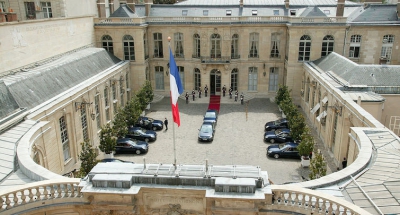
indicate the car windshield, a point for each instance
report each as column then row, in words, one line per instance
column 210, row 115
column 143, row 131
column 277, row 122
column 282, row 145
column 277, row 132
column 132, row 143
column 206, row 129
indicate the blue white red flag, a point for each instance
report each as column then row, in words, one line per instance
column 175, row 87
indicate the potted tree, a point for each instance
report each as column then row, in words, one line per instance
column 306, row 147
column 107, row 141
column 282, row 94
column 317, row 166
column 88, row 158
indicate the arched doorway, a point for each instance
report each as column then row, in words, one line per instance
column 215, row 82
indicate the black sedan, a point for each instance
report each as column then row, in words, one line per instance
column 279, row 136
column 114, row 160
column 284, row 150
column 206, row 132
column 138, row 133
column 149, row 123
column 211, row 116
column 127, row 145
column 278, row 124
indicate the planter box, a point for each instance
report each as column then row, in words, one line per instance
column 111, row 155
column 305, row 161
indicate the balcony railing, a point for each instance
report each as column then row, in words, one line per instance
column 235, row 56
column 216, row 60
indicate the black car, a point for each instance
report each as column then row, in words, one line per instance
column 278, row 124
column 211, row 116
column 138, row 133
column 283, row 150
column 127, row 145
column 114, row 160
column 149, row 123
column 279, row 136
column 206, row 132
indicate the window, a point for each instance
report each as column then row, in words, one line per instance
column 184, row 12
column 196, row 46
column 293, row 12
column 146, row 49
column 107, row 104
column 334, row 128
column 107, row 43
column 273, row 79
column 2, row 6
column 274, row 45
column 30, row 10
column 318, row 100
column 113, row 91
column 181, row 71
column 304, row 48
column 158, row 45
column 355, row 43
column 127, row 80
column 97, row 110
column 308, row 90
column 253, row 76
column 85, row 134
column 129, row 47
column 387, row 46
column 121, row 90
column 46, row 7
column 205, row 12
column 228, row 12
column 235, row 47
column 197, row 78
column 215, row 46
column 254, row 12
column 234, row 79
column 253, row 45
column 178, row 39
column 327, row 45
column 159, row 73
column 64, row 138
column 276, row 12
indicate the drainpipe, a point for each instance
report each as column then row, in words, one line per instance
column 345, row 39
column 107, row 8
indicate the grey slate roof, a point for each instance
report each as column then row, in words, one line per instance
column 355, row 74
column 38, row 85
column 7, row 102
column 262, row 2
column 313, row 12
column 374, row 13
column 124, row 11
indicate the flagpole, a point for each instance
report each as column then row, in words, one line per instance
column 173, row 123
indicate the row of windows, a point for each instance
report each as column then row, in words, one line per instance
column 253, row 12
column 215, row 52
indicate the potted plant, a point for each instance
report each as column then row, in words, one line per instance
column 306, row 147
column 282, row 94
column 317, row 166
column 107, row 141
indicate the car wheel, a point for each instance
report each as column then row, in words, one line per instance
column 276, row 156
column 138, row 152
column 154, row 128
column 272, row 141
column 147, row 139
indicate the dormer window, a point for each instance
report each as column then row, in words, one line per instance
column 254, row 12
column 293, row 12
column 276, row 12
column 228, row 12
column 184, row 12
column 205, row 12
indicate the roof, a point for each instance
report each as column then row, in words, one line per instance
column 374, row 13
column 365, row 96
column 313, row 12
column 7, row 102
column 261, row 2
column 124, row 11
column 359, row 74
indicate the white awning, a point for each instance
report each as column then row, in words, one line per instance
column 316, row 107
column 324, row 100
column 321, row 115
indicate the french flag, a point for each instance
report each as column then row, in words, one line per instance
column 175, row 87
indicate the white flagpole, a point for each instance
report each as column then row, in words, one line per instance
column 173, row 123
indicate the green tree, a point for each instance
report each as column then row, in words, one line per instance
column 107, row 139
column 297, row 126
column 282, row 94
column 88, row 158
column 120, row 126
column 317, row 166
column 306, row 145
column 132, row 111
column 148, row 91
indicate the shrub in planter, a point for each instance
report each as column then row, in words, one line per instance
column 107, row 140
column 306, row 144
column 317, row 166
column 283, row 93
column 88, row 158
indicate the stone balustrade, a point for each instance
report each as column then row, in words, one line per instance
column 306, row 201
column 41, row 193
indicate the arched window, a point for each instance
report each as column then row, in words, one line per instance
column 159, row 77
column 215, row 46
column 234, row 79
column 178, row 41
column 253, row 45
column 107, row 42
column 327, row 45
column 235, row 47
column 355, row 43
column 197, row 78
column 196, row 46
column 304, row 48
column 129, row 47
column 387, row 47
column 253, row 78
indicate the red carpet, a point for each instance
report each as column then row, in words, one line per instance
column 215, row 102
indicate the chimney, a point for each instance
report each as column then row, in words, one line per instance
column 340, row 8
column 398, row 9
column 131, row 4
column 147, row 6
column 287, row 4
column 241, row 3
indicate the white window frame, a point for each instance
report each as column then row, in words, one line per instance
column 158, row 45
column 273, row 79
column 254, row 12
column 85, row 132
column 327, row 45
column 178, row 42
column 97, row 110
column 355, row 44
column 228, row 12
column 387, row 47
column 274, row 46
column 197, row 78
column 64, row 138
column 276, row 12
column 235, row 47
column 253, row 78
column 181, row 71
column 107, row 103
column 159, row 77
column 216, row 46
column 254, row 40
column 46, row 8
column 305, row 49
column 234, row 79
column 107, row 43
column 196, row 46
column 3, row 7
column 129, row 47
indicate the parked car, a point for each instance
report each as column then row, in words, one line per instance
column 149, row 123
column 114, row 160
column 211, row 116
column 277, row 124
column 280, row 136
column 127, row 145
column 139, row 133
column 206, row 132
column 283, row 150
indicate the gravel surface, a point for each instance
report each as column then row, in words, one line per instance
column 238, row 138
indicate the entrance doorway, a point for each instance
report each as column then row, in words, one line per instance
column 215, row 82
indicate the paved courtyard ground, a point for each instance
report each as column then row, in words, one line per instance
column 238, row 139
